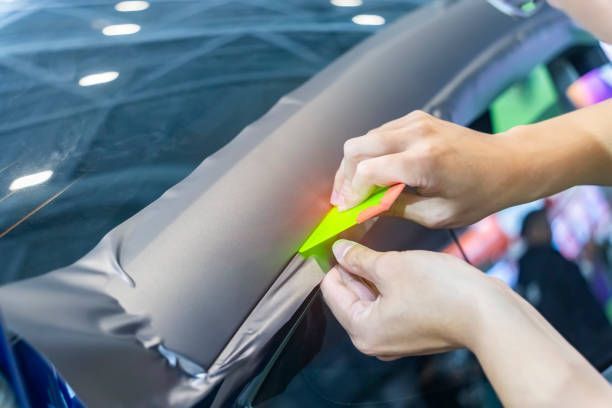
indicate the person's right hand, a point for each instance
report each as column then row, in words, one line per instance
column 458, row 175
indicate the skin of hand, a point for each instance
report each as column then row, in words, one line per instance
column 592, row 15
column 402, row 315
column 459, row 176
column 398, row 304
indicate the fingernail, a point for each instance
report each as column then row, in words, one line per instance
column 335, row 197
column 340, row 248
column 342, row 205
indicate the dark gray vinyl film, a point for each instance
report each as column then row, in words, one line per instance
column 190, row 267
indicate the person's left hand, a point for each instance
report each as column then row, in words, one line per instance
column 414, row 302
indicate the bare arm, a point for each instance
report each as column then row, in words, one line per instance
column 461, row 175
column 529, row 363
column 427, row 302
column 569, row 150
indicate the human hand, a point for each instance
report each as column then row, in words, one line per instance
column 411, row 303
column 458, row 175
column 398, row 304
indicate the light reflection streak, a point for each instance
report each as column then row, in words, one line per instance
column 37, row 208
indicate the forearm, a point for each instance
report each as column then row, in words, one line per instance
column 551, row 156
column 527, row 361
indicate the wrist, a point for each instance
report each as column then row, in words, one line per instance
column 510, row 336
column 493, row 305
column 531, row 173
column 556, row 154
column 511, row 170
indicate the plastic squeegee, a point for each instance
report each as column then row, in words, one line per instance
column 336, row 222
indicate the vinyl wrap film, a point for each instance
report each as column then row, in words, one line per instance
column 193, row 287
column 109, row 356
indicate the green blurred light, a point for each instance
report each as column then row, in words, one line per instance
column 529, row 7
column 524, row 102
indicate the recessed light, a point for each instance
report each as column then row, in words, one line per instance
column 128, row 6
column 346, row 3
column 121, row 29
column 369, row 19
column 99, row 78
column 30, row 180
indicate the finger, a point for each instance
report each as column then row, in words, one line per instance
column 395, row 123
column 359, row 260
column 335, row 198
column 373, row 144
column 405, row 120
column 378, row 171
column 341, row 300
column 351, row 157
column 430, row 212
column 387, row 359
column 362, row 288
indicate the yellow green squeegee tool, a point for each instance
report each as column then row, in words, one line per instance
column 336, row 222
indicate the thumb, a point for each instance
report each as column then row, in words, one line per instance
column 358, row 259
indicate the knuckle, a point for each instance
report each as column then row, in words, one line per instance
column 325, row 287
column 386, row 263
column 352, row 257
column 356, row 256
column 428, row 154
column 390, row 139
column 351, row 148
column 365, row 345
column 439, row 218
column 429, row 149
column 424, row 124
column 418, row 114
column 434, row 222
column 365, row 170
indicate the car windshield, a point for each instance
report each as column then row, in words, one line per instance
column 106, row 104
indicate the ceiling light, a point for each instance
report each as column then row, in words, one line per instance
column 127, row 6
column 369, row 19
column 121, row 29
column 30, row 180
column 346, row 3
column 99, row 78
